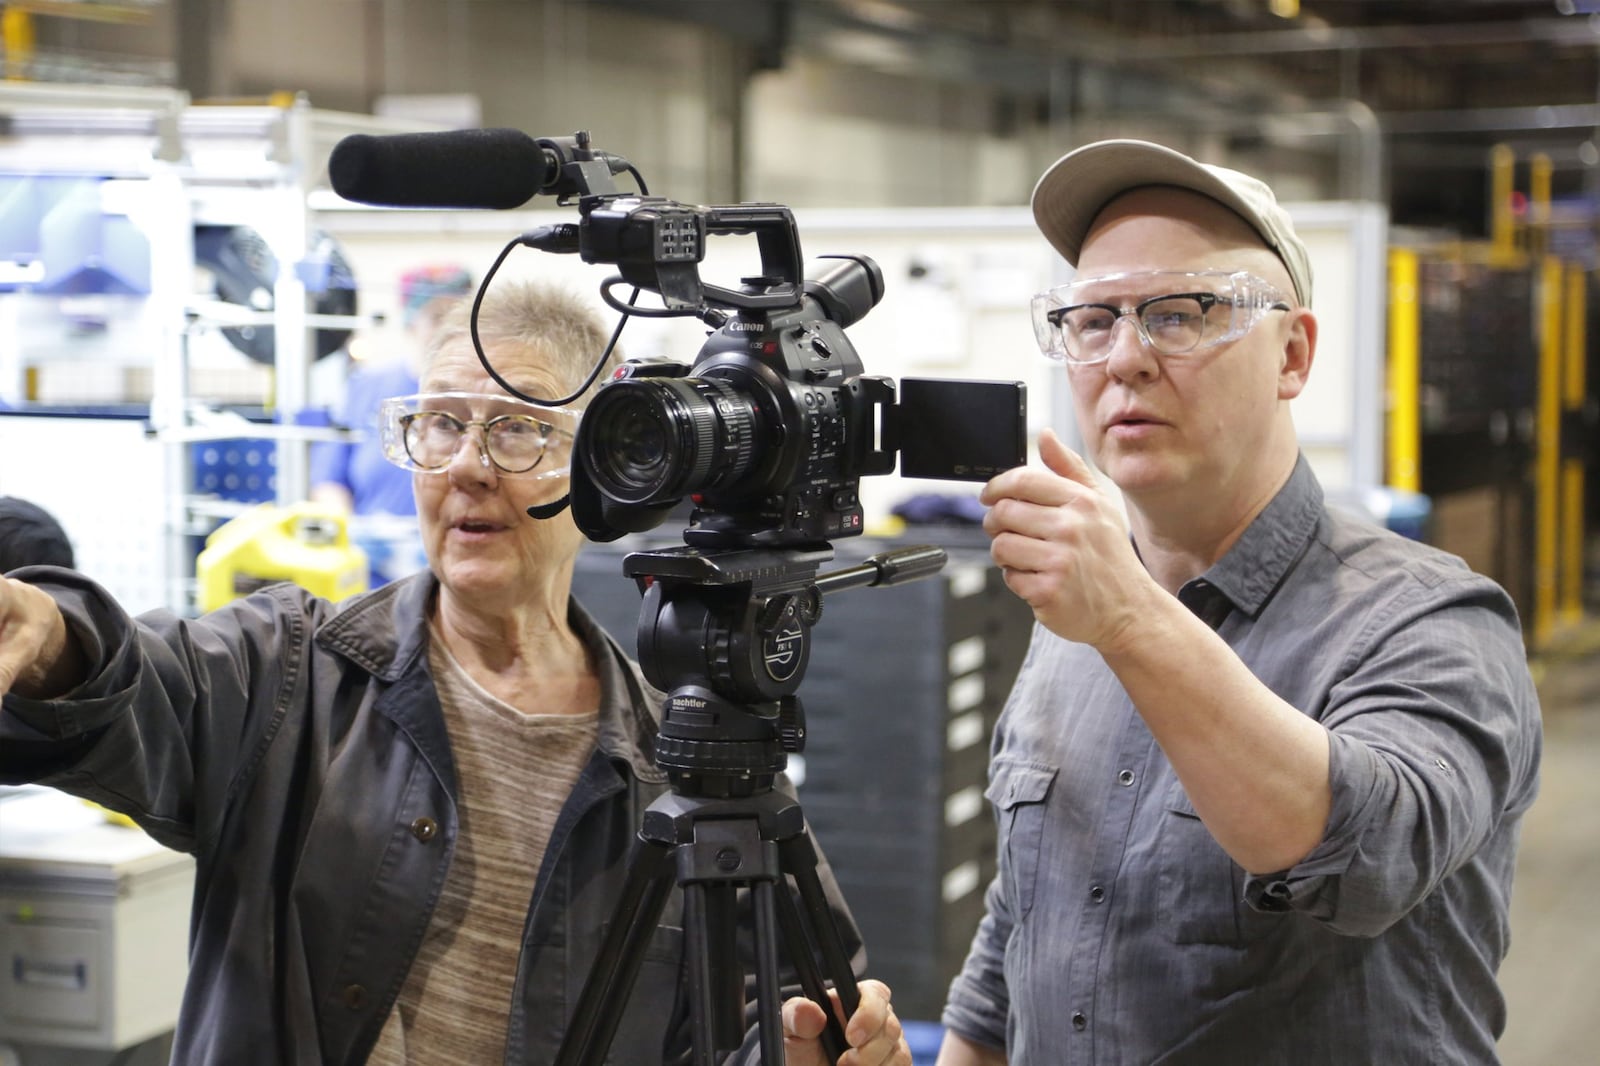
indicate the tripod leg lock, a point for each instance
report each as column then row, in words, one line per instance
column 728, row 851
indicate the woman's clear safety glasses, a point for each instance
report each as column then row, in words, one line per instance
column 424, row 432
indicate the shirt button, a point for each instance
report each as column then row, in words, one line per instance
column 1098, row 894
column 1125, row 778
column 424, row 829
column 1079, row 1022
column 354, row 997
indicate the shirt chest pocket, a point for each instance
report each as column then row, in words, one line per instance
column 1018, row 791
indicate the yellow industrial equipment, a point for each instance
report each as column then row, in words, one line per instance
column 306, row 543
column 1487, row 391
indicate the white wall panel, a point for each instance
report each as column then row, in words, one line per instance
column 107, row 484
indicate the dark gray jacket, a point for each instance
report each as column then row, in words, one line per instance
column 298, row 750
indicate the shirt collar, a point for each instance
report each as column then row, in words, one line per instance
column 1263, row 555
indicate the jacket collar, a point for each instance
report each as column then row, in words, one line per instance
column 385, row 632
column 630, row 707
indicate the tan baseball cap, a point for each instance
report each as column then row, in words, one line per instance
column 1080, row 183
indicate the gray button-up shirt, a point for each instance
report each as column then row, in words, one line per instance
column 1118, row 931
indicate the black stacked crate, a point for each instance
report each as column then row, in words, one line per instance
column 1478, row 391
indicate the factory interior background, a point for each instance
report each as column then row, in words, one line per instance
column 182, row 295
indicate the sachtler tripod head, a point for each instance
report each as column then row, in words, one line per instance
column 727, row 634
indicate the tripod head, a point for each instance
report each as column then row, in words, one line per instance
column 727, row 634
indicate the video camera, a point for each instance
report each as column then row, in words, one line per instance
column 772, row 428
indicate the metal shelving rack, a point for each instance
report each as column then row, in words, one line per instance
column 181, row 165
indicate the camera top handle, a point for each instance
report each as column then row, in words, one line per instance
column 657, row 244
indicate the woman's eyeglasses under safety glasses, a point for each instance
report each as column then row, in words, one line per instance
column 520, row 440
column 1193, row 311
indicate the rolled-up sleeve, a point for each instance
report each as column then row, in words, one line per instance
column 168, row 711
column 1433, row 736
column 105, row 635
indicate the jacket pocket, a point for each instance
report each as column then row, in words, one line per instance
column 653, row 1018
column 1018, row 791
column 661, row 975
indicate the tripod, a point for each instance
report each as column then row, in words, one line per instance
column 727, row 635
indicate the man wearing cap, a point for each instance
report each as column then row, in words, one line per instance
column 1260, row 779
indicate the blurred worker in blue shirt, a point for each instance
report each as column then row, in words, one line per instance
column 354, row 476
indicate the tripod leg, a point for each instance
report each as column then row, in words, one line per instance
column 799, row 858
column 616, row 966
column 716, row 981
column 769, row 997
column 805, row 964
column 727, row 853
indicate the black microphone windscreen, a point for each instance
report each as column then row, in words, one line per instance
column 480, row 168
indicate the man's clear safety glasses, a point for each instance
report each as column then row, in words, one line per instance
column 1175, row 312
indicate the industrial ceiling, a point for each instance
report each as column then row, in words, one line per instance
column 1445, row 80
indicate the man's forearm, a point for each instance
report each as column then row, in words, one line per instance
column 1255, row 768
column 957, row 1050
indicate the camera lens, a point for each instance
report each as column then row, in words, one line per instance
column 651, row 439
